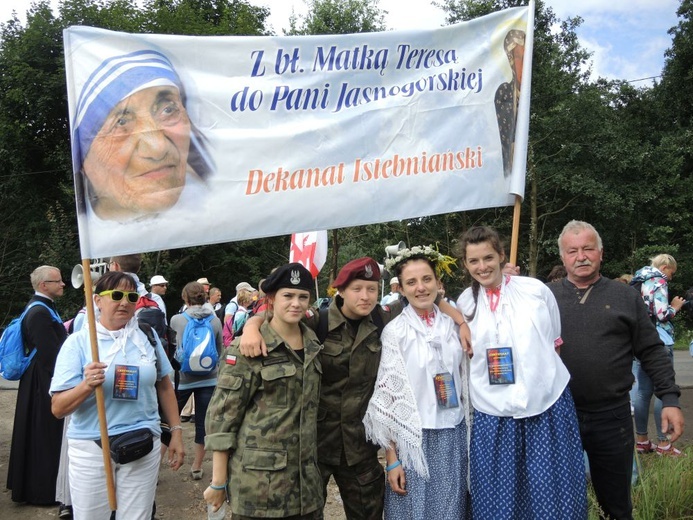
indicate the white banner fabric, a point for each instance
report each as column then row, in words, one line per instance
column 187, row 140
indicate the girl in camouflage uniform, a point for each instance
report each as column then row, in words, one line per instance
column 262, row 420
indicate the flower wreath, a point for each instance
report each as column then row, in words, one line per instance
column 442, row 262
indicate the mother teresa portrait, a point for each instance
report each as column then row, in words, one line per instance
column 138, row 152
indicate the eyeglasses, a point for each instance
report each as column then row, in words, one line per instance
column 53, row 281
column 117, row 295
column 160, row 285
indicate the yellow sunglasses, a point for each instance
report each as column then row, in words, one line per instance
column 117, row 295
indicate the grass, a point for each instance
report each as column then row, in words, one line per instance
column 664, row 490
column 684, row 335
column 683, row 341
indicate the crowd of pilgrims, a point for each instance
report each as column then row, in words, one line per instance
column 480, row 407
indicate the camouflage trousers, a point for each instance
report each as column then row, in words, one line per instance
column 362, row 487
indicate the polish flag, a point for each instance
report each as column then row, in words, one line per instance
column 309, row 250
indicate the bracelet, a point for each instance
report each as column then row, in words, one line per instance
column 393, row 465
column 218, row 488
column 174, row 428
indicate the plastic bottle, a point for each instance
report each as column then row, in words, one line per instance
column 219, row 514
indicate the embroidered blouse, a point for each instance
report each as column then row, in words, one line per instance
column 526, row 320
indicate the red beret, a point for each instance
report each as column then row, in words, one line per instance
column 360, row 269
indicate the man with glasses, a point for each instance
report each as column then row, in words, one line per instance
column 37, row 434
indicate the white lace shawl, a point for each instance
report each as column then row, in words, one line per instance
column 392, row 415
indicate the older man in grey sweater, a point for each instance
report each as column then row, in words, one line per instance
column 603, row 325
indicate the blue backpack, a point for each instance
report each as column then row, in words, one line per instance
column 14, row 359
column 197, row 350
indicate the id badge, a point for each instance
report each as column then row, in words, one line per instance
column 501, row 370
column 446, row 393
column 126, row 384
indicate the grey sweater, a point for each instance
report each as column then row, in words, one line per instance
column 601, row 335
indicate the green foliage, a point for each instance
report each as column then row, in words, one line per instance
column 34, row 150
column 678, row 69
column 664, row 490
column 39, row 223
column 340, row 17
column 209, row 17
column 602, row 151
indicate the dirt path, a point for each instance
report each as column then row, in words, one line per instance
column 178, row 496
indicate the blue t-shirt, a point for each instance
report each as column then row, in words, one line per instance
column 129, row 391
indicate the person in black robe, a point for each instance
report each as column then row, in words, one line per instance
column 37, row 434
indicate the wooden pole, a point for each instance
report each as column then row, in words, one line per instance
column 100, row 401
column 516, row 230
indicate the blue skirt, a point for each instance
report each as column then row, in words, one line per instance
column 444, row 495
column 528, row 468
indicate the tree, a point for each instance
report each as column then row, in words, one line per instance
column 602, row 151
column 34, row 148
column 208, row 17
column 339, row 17
column 39, row 221
column 670, row 126
column 587, row 147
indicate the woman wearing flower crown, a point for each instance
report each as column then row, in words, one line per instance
column 525, row 453
column 419, row 410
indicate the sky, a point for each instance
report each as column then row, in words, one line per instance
column 628, row 38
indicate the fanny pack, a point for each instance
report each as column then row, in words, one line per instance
column 130, row 446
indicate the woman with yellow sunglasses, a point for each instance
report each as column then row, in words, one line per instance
column 135, row 378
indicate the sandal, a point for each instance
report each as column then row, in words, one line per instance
column 196, row 474
column 668, row 451
column 646, row 447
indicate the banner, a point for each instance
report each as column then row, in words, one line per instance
column 309, row 250
column 187, row 140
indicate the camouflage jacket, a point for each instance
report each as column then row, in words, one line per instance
column 350, row 360
column 264, row 411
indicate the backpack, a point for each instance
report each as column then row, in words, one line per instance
column 165, row 428
column 197, row 351
column 227, row 331
column 14, row 358
column 637, row 285
column 70, row 324
column 220, row 313
column 239, row 321
column 148, row 312
column 233, row 310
